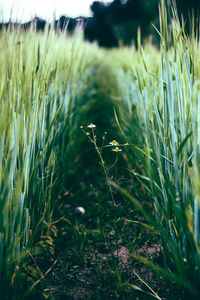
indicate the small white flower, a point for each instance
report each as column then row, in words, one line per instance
column 114, row 143
column 91, row 125
column 116, row 149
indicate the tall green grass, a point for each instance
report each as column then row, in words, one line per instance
column 40, row 75
column 161, row 120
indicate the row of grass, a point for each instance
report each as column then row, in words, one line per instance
column 40, row 77
column 161, row 122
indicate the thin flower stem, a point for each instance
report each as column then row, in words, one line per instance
column 106, row 174
column 94, row 141
column 116, row 160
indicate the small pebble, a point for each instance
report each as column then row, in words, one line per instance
column 80, row 210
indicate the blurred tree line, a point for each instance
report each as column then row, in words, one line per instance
column 117, row 22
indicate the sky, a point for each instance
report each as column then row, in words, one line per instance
column 24, row 10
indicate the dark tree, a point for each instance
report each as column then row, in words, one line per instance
column 99, row 28
column 39, row 24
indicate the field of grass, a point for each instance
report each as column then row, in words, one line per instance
column 109, row 210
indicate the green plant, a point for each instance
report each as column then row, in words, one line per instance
column 164, row 105
column 38, row 82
